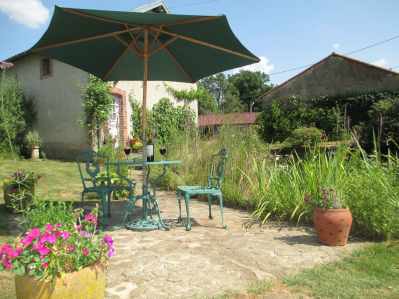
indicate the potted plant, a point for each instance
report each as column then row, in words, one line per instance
column 136, row 144
column 332, row 222
column 19, row 190
column 33, row 141
column 59, row 261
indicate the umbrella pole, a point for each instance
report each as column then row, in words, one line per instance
column 144, row 120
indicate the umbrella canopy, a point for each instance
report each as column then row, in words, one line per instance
column 115, row 45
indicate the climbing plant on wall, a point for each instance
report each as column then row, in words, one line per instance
column 97, row 103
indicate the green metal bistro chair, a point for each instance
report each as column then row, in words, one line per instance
column 212, row 190
column 90, row 165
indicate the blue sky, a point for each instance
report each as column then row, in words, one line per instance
column 285, row 33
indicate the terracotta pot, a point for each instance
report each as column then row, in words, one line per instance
column 88, row 283
column 332, row 225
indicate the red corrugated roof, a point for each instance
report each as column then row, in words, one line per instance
column 242, row 118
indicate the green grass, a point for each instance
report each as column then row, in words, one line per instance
column 60, row 180
column 368, row 273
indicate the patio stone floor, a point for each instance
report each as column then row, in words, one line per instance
column 208, row 260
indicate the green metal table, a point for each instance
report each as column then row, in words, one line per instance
column 150, row 203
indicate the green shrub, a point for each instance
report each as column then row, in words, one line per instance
column 304, row 138
column 12, row 120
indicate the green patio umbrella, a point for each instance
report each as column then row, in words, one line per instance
column 118, row 45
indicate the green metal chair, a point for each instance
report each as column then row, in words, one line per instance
column 212, row 190
column 90, row 165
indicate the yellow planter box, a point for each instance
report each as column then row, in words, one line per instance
column 88, row 283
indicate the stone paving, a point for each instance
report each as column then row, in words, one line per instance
column 208, row 260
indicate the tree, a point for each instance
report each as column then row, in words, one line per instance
column 98, row 103
column 250, row 86
column 224, row 92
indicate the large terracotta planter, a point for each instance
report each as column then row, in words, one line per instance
column 88, row 283
column 332, row 225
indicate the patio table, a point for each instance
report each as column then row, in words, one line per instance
column 150, row 202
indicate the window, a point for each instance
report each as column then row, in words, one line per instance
column 45, row 68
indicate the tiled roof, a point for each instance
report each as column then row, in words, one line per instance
column 243, row 118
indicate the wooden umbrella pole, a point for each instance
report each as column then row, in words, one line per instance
column 144, row 108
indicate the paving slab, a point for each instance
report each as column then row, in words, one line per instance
column 208, row 260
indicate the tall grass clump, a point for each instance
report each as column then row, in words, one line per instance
column 367, row 185
column 196, row 153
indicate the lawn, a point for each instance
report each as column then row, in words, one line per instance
column 372, row 272
column 59, row 180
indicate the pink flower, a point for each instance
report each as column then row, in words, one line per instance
column 58, row 225
column 34, row 233
column 7, row 264
column 41, row 249
column 91, row 218
column 85, row 251
column 70, row 248
column 49, row 227
column 111, row 251
column 49, row 238
column 26, row 241
column 108, row 240
column 44, row 265
column 65, row 235
column 8, row 250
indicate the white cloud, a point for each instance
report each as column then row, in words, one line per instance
column 263, row 65
column 31, row 13
column 336, row 46
column 381, row 62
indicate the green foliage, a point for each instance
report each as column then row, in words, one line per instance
column 196, row 153
column 303, row 138
column 250, row 86
column 206, row 103
column 167, row 120
column 238, row 92
column 97, row 104
column 33, row 139
column 368, row 115
column 12, row 120
column 43, row 212
column 365, row 185
column 136, row 118
column 19, row 189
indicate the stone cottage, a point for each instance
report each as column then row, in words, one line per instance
column 56, row 89
column 333, row 76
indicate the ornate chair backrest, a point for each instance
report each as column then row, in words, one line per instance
column 216, row 174
column 89, row 166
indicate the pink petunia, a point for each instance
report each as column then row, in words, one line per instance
column 85, row 251
column 34, row 233
column 91, row 218
column 70, row 248
column 49, row 227
column 7, row 264
column 49, row 238
column 65, row 235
